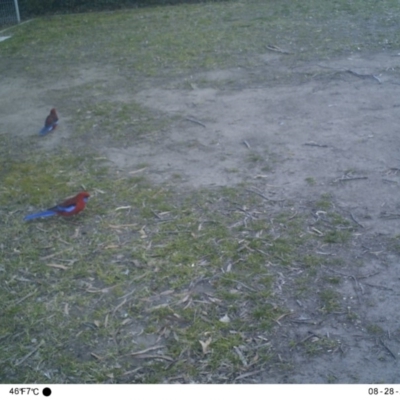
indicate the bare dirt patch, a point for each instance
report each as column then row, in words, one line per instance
column 334, row 135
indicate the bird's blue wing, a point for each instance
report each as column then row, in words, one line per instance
column 67, row 209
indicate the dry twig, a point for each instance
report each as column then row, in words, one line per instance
column 23, row 359
column 388, row 349
column 240, row 355
column 246, row 143
column 25, row 297
column 378, row 286
column 262, row 195
column 387, row 215
column 139, row 353
column 358, row 223
column 350, row 178
column 195, row 121
column 272, row 47
column 248, row 374
column 313, row 144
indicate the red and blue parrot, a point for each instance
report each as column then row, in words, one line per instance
column 51, row 122
column 69, row 207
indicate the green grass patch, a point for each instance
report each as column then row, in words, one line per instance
column 107, row 282
column 336, row 236
column 203, row 36
column 311, row 181
column 330, row 300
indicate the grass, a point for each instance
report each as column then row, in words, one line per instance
column 70, row 275
column 311, row 181
column 317, row 346
column 122, row 122
column 77, row 291
column 152, row 282
column 159, row 40
column 330, row 300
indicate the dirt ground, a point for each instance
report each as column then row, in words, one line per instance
column 327, row 130
column 333, row 134
column 344, row 126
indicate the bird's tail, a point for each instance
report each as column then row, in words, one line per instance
column 47, row 213
column 45, row 130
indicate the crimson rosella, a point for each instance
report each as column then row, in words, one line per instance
column 51, row 122
column 69, row 207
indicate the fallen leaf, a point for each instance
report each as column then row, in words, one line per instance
column 143, row 234
column 185, row 299
column 59, row 266
column 137, row 171
column 139, row 353
column 112, row 246
column 123, row 208
column 225, row 319
column 97, row 357
column 205, row 345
